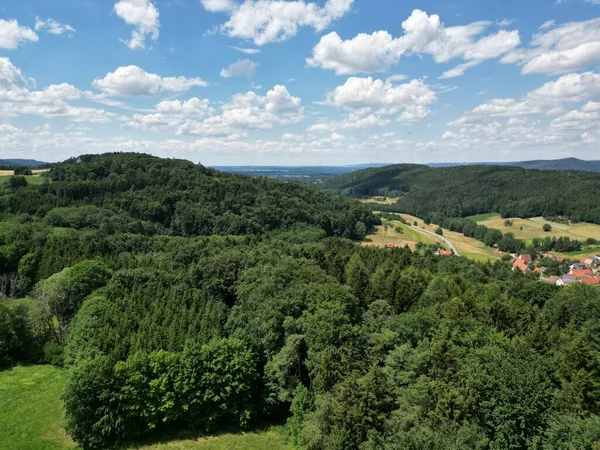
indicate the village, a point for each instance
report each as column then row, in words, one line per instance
column 586, row 271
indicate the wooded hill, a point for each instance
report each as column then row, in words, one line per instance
column 468, row 190
column 109, row 272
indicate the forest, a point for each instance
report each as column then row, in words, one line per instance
column 469, row 190
column 177, row 297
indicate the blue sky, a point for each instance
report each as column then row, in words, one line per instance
column 306, row 82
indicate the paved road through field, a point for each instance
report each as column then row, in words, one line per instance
column 446, row 241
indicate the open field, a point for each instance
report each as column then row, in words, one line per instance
column 482, row 217
column 527, row 229
column 466, row 246
column 31, row 418
column 410, row 236
column 381, row 200
column 31, row 179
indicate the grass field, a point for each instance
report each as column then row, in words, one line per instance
column 466, row 246
column 527, row 229
column 31, row 179
column 31, row 418
column 381, row 200
column 482, row 217
column 410, row 236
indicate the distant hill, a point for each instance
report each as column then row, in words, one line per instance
column 463, row 191
column 31, row 163
column 574, row 164
column 298, row 174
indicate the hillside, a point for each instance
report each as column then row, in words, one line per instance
column 176, row 302
column 15, row 162
column 469, row 190
column 573, row 164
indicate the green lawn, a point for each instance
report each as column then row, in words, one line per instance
column 31, row 413
column 31, row 418
column 31, row 179
column 482, row 217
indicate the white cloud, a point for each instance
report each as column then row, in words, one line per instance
column 423, row 34
column 52, row 26
column 10, row 76
column 353, row 121
column 243, row 68
column 143, row 16
column 248, row 111
column 547, row 24
column 12, row 34
column 549, row 99
column 51, row 102
column 562, row 49
column 218, row 5
column 247, row 51
column 131, row 81
column 505, row 22
column 373, row 95
column 265, row 21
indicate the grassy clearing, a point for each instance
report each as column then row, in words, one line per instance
column 31, row 418
column 527, row 229
column 482, row 217
column 388, row 235
column 31, row 179
column 468, row 247
column 31, row 415
column 381, row 200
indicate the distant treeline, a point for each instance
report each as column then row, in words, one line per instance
column 469, row 190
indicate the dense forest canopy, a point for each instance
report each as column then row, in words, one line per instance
column 468, row 190
column 177, row 297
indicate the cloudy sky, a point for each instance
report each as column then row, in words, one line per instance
column 314, row 82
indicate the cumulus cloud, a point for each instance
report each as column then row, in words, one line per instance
column 423, row 34
column 10, row 76
column 247, row 111
column 265, row 21
column 12, row 34
column 373, row 95
column 52, row 26
column 353, row 121
column 562, row 49
column 132, row 81
column 51, row 102
column 548, row 99
column 143, row 16
column 243, row 68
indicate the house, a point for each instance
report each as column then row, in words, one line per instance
column 526, row 257
column 548, row 255
column 588, row 261
column 596, row 262
column 521, row 264
column 580, row 273
column 577, row 266
column 442, row 252
column 390, row 246
column 566, row 280
column 591, row 281
column 551, row 279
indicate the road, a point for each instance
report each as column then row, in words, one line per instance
column 446, row 241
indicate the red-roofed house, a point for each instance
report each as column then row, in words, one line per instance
column 592, row 281
column 521, row 265
column 526, row 257
column 580, row 273
column 445, row 252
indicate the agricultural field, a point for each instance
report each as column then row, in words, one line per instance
column 527, row 229
column 482, row 217
column 466, row 246
column 31, row 418
column 36, row 178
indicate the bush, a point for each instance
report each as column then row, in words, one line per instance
column 547, row 227
column 439, row 231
